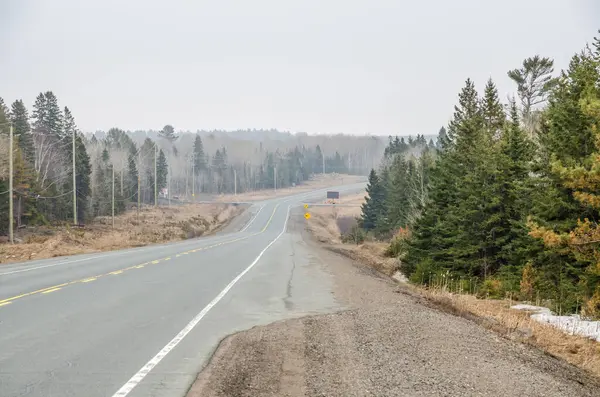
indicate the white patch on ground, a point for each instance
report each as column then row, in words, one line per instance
column 398, row 276
column 572, row 324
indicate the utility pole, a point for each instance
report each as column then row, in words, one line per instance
column 139, row 188
column 155, row 176
column 323, row 156
column 113, row 195
column 74, row 182
column 194, row 177
column 234, row 182
column 11, row 236
column 275, row 179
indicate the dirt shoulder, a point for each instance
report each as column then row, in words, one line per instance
column 391, row 342
column 132, row 229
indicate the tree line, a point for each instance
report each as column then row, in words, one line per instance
column 507, row 200
column 119, row 169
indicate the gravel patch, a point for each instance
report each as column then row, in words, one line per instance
column 387, row 344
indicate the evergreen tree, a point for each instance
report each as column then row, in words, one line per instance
column 168, row 133
column 83, row 174
column 492, row 111
column 54, row 117
column 374, row 207
column 132, row 174
column 22, row 131
column 40, row 114
column 199, row 156
column 4, row 116
column 162, row 171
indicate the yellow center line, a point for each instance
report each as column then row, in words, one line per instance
column 51, row 290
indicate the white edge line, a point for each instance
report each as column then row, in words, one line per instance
column 145, row 370
column 253, row 218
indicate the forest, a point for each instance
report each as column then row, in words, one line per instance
column 130, row 168
column 506, row 203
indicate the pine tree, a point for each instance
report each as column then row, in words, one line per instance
column 534, row 81
column 374, row 207
column 199, row 155
column 132, row 174
column 40, row 114
column 4, row 116
column 492, row 111
column 54, row 117
column 443, row 239
column 397, row 200
column 162, row 171
column 577, row 244
column 83, row 174
column 168, row 133
column 22, row 130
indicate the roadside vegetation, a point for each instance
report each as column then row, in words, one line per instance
column 502, row 209
column 151, row 225
column 118, row 170
column 505, row 204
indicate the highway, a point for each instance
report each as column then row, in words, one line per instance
column 144, row 321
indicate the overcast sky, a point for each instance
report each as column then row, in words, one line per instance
column 320, row 66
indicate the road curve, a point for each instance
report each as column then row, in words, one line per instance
column 143, row 322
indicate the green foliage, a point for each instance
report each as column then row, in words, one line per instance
column 22, row 130
column 373, row 210
column 503, row 204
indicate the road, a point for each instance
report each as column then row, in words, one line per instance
column 143, row 322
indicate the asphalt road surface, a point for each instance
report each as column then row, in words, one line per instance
column 144, row 321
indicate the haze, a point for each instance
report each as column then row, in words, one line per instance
column 382, row 67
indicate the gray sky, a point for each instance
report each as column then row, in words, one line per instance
column 320, row 66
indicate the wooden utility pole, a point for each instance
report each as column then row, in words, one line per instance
column 139, row 187
column 155, row 176
column 234, row 182
column 11, row 237
column 113, row 196
column 74, row 181
column 194, row 177
column 275, row 179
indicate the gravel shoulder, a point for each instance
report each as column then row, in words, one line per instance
column 390, row 342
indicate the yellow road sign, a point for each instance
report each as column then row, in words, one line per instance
column 307, row 215
column 305, row 205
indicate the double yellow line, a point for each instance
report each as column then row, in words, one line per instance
column 47, row 290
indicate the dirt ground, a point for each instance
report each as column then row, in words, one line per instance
column 152, row 225
column 392, row 342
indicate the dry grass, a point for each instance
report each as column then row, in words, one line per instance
column 518, row 325
column 326, row 224
column 493, row 314
column 318, row 182
column 151, row 226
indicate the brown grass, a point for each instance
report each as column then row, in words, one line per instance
column 518, row 325
column 492, row 314
column 151, row 226
column 317, row 182
column 326, row 224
